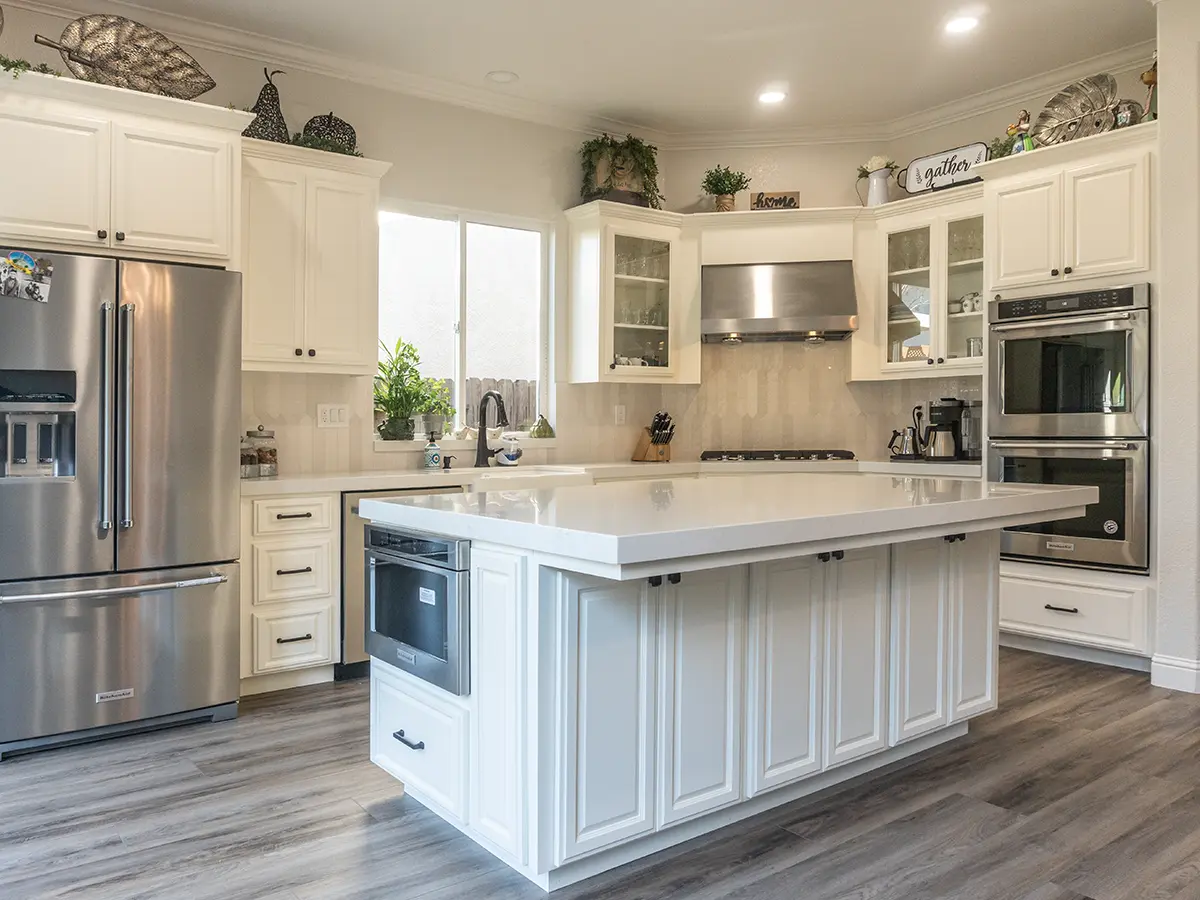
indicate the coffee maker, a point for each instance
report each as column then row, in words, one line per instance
column 943, row 436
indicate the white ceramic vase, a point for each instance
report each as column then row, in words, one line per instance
column 877, row 187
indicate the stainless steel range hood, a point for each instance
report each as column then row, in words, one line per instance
column 805, row 301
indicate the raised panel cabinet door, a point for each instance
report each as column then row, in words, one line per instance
column 171, row 192
column 273, row 196
column 57, row 178
column 920, row 629
column 607, row 726
column 497, row 783
column 974, row 625
column 783, row 718
column 1024, row 231
column 856, row 655
column 1108, row 217
column 700, row 693
column 341, row 275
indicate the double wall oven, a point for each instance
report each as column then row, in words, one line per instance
column 1069, row 403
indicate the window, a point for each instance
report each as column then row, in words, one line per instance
column 469, row 293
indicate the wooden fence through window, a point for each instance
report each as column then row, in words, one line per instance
column 520, row 400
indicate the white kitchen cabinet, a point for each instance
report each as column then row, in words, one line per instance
column 1107, row 217
column 856, row 655
column 784, row 663
column 920, row 633
column 608, row 652
column 1026, row 231
column 974, row 582
column 634, row 297
column 310, row 260
column 700, row 693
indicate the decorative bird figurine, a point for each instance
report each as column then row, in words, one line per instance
column 268, row 124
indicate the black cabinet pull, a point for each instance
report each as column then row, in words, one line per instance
column 612, row 365
column 295, row 640
column 941, row 360
column 120, row 235
column 951, row 538
column 929, row 362
column 823, row 557
column 102, row 234
column 1068, row 270
column 399, row 735
column 839, row 555
column 1054, row 272
column 299, row 352
column 306, row 515
column 655, row 580
column 675, row 579
column 303, row 571
column 312, row 352
column 1067, row 609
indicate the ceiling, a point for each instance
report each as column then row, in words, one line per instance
column 689, row 66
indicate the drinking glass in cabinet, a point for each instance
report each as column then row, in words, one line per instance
column 965, row 239
column 908, row 250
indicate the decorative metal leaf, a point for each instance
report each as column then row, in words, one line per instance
column 117, row 51
column 1084, row 108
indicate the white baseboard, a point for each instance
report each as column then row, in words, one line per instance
column 1075, row 651
column 1175, row 673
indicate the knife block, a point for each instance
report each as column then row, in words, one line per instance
column 648, row 452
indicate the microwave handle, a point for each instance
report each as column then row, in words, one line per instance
column 1053, row 445
column 1073, row 320
column 399, row 559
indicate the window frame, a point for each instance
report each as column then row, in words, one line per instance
column 463, row 218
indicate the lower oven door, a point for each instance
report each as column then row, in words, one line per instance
column 418, row 619
column 1114, row 534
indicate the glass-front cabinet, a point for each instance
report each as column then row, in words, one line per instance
column 934, row 296
column 641, row 289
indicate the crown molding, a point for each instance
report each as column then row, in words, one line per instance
column 305, row 156
column 756, row 218
column 262, row 48
column 626, row 211
column 1078, row 150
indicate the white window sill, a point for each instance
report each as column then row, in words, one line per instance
column 526, row 443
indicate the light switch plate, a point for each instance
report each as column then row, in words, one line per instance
column 333, row 415
column 619, row 414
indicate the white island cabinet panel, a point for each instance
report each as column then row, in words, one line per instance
column 920, row 629
column 498, row 641
column 700, row 692
column 856, row 655
column 783, row 715
column 608, row 650
column 974, row 572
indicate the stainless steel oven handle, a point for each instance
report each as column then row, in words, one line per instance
column 1072, row 320
column 1060, row 445
column 127, row 416
column 123, row 591
column 106, row 486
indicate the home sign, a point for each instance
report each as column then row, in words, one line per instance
column 942, row 170
column 775, row 200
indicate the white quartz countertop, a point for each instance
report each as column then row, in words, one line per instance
column 625, row 523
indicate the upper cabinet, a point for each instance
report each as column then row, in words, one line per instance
column 110, row 170
column 1070, row 212
column 310, row 260
column 635, row 296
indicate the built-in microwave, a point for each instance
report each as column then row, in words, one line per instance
column 1071, row 365
column 418, row 605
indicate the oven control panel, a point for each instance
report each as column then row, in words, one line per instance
column 1071, row 304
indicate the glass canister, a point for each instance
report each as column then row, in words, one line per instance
column 249, row 457
column 266, row 450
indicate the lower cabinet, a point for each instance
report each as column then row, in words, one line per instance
column 974, row 625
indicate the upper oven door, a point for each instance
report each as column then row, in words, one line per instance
column 1083, row 376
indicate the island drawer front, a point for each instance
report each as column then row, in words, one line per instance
column 420, row 741
column 293, row 515
column 1079, row 612
column 292, row 640
column 299, row 569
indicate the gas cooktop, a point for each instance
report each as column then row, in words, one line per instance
column 775, row 455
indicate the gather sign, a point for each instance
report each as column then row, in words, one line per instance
column 942, row 169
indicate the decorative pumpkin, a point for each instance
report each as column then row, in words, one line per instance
column 268, row 124
column 332, row 129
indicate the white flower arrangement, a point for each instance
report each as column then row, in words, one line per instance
column 874, row 164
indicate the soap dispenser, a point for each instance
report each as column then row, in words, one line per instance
column 433, row 453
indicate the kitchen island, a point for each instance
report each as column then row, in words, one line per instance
column 652, row 660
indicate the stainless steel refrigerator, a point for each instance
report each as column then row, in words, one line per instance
column 120, row 396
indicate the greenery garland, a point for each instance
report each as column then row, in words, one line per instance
column 17, row 66
column 640, row 155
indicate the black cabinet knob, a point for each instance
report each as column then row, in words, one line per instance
column 299, row 352
column 312, row 352
column 823, row 557
column 655, row 581
column 940, row 360
column 1054, row 272
column 612, row 365
column 1068, row 270
column 929, row 362
column 839, row 554
column 102, row 234
column 120, row 235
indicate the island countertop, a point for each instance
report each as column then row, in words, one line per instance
column 619, row 527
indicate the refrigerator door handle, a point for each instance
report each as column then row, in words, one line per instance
column 126, row 454
column 123, row 591
column 106, row 415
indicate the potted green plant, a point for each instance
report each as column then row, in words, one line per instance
column 399, row 391
column 435, row 405
column 723, row 183
column 614, row 169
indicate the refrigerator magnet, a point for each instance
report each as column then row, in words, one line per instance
column 25, row 277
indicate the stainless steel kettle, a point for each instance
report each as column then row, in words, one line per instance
column 905, row 443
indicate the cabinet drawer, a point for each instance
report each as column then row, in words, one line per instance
column 293, row 515
column 299, row 569
column 433, row 761
column 292, row 640
column 1080, row 613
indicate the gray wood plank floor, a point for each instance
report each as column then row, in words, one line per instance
column 1085, row 785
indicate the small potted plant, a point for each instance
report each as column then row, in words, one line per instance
column 623, row 170
column 399, row 391
column 435, row 405
column 723, row 183
column 878, row 171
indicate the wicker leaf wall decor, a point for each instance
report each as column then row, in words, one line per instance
column 1084, row 108
column 119, row 52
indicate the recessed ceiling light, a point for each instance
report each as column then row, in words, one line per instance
column 961, row 25
column 502, row 76
column 772, row 97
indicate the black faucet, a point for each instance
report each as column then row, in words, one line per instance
column 483, row 455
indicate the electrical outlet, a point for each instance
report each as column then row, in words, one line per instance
column 619, row 414
column 333, row 415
